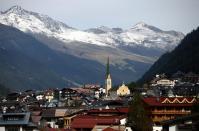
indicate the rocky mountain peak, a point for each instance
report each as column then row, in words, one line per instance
column 140, row 24
column 15, row 9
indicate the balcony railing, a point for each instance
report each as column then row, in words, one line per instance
column 171, row 112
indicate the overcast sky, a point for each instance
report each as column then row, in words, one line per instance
column 179, row 15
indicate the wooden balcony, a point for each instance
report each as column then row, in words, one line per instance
column 169, row 112
column 159, row 119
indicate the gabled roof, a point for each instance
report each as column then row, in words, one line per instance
column 169, row 101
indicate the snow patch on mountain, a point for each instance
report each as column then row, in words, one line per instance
column 139, row 35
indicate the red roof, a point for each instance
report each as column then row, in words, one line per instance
column 169, row 101
column 123, row 109
column 89, row 121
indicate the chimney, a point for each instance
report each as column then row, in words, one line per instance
column 4, row 109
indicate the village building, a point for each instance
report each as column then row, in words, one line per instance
column 123, row 90
column 68, row 93
column 16, row 122
column 39, row 95
column 52, row 116
column 49, row 95
column 163, row 82
column 184, row 123
column 167, row 108
column 100, row 119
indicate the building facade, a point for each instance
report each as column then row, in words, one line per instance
column 167, row 108
column 123, row 90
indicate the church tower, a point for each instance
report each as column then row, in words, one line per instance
column 108, row 81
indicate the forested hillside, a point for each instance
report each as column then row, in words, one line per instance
column 185, row 58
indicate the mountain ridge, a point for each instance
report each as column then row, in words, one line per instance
column 131, row 51
column 63, row 32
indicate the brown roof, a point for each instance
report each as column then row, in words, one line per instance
column 35, row 119
column 48, row 113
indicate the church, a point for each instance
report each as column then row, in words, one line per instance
column 122, row 90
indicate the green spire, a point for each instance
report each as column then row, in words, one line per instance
column 107, row 68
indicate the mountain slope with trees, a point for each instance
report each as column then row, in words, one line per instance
column 185, row 58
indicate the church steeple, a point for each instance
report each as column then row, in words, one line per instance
column 108, row 81
column 107, row 68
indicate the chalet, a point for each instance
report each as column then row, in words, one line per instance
column 39, row 95
column 70, row 114
column 13, row 96
column 166, row 108
column 96, row 119
column 16, row 122
column 52, row 116
column 12, row 106
column 163, row 82
column 68, row 93
column 185, row 123
column 49, row 95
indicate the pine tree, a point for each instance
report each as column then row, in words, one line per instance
column 138, row 117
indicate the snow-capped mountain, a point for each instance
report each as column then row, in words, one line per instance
column 131, row 51
column 139, row 35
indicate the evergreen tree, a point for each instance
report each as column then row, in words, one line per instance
column 138, row 117
column 132, row 86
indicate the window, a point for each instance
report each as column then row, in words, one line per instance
column 12, row 128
